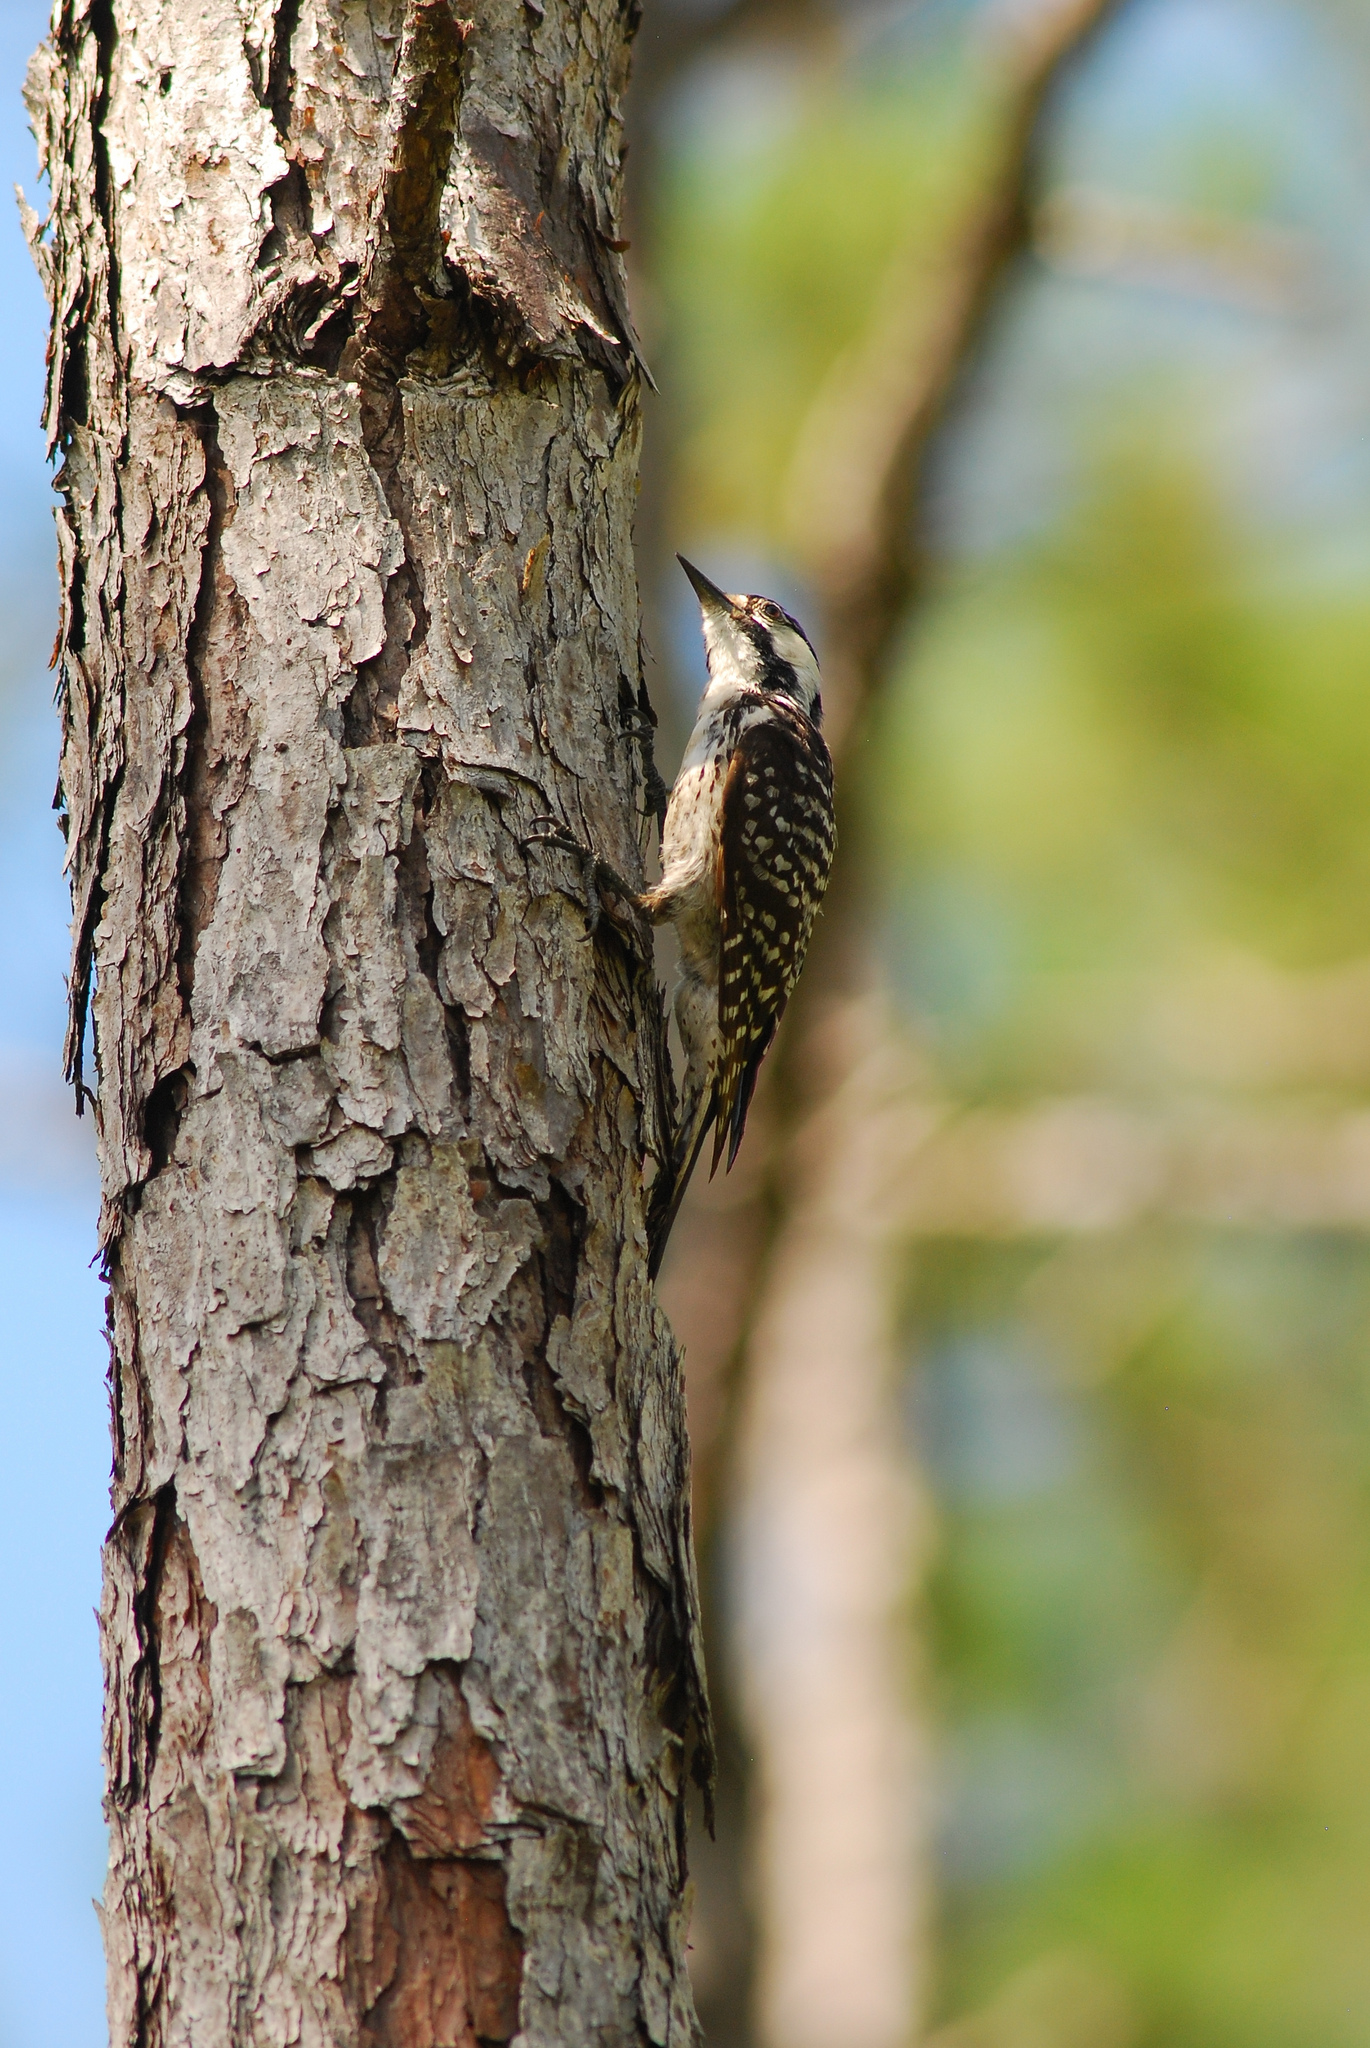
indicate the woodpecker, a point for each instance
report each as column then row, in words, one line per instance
column 746, row 851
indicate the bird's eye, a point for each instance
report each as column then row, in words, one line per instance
column 768, row 611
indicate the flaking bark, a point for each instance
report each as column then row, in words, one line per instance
column 399, row 1624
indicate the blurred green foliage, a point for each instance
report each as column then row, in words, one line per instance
column 1128, row 744
column 1152, row 1615
column 1118, row 747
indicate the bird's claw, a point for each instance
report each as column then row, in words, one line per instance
column 598, row 879
column 550, row 832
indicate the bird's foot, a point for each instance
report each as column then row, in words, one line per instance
column 597, row 878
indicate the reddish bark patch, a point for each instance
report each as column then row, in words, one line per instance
column 434, row 1957
column 451, row 1814
column 450, row 1961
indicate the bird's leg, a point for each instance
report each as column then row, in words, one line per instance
column 640, row 724
column 598, row 879
column 657, row 795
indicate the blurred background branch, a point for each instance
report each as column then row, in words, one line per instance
column 861, row 451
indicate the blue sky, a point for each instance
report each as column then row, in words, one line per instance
column 54, row 1500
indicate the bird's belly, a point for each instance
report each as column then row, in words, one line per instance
column 689, row 862
column 699, row 934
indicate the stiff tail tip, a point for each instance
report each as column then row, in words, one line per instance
column 669, row 1190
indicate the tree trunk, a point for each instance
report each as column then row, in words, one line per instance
column 830, row 1529
column 399, row 1626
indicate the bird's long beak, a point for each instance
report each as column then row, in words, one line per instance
column 711, row 598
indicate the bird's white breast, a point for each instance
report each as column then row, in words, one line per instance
column 689, row 842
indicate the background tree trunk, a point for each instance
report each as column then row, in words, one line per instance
column 400, row 1627
column 831, row 1528
column 783, row 1284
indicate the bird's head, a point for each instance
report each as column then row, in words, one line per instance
column 753, row 643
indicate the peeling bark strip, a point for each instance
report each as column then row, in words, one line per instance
column 400, row 1625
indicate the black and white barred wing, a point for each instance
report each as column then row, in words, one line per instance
column 776, row 846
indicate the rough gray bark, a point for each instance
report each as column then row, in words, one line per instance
column 399, row 1619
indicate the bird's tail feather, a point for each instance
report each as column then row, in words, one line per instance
column 669, row 1192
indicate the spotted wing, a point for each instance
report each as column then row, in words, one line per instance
column 776, row 843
